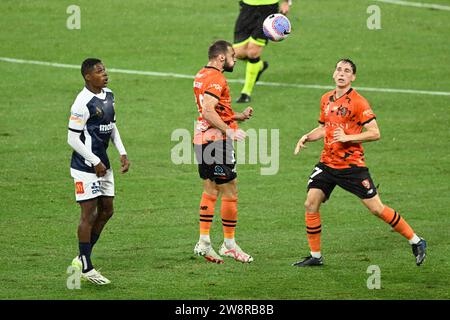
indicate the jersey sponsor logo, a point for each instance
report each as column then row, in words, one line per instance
column 366, row 183
column 218, row 171
column 95, row 187
column 78, row 115
column 76, row 119
column 216, row 86
column 79, row 189
column 106, row 128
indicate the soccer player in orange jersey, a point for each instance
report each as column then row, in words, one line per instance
column 215, row 131
column 346, row 120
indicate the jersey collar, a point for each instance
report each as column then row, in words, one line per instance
column 211, row 67
column 333, row 96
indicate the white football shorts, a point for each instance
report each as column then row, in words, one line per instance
column 88, row 186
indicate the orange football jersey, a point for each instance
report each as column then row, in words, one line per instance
column 350, row 112
column 210, row 80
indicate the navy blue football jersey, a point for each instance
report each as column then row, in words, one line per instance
column 93, row 116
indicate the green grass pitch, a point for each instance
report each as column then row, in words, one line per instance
column 147, row 247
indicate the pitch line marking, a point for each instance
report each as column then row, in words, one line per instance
column 417, row 4
column 261, row 83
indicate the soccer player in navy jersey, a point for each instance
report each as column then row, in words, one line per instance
column 92, row 125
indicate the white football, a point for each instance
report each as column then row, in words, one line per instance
column 277, row 27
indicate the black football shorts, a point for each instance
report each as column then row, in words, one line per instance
column 216, row 161
column 356, row 180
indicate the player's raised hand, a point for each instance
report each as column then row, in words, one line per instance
column 125, row 163
column 237, row 134
column 100, row 169
column 301, row 144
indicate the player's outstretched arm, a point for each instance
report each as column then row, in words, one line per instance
column 313, row 135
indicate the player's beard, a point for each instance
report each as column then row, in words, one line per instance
column 227, row 67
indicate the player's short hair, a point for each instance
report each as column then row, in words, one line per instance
column 218, row 47
column 88, row 64
column 350, row 62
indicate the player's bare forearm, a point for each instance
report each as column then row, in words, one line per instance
column 365, row 136
column 210, row 115
column 313, row 135
column 371, row 133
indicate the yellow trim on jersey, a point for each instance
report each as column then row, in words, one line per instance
column 259, row 2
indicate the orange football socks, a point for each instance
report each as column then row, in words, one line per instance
column 207, row 205
column 229, row 216
column 397, row 222
column 313, row 231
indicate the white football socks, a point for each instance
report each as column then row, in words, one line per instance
column 414, row 240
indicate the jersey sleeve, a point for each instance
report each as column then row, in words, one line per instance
column 79, row 115
column 215, row 87
column 366, row 113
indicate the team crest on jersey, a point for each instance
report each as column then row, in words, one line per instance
column 99, row 112
column 366, row 183
column 342, row 111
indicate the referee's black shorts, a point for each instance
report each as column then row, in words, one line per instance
column 356, row 180
column 249, row 23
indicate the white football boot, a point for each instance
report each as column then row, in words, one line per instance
column 95, row 277
column 205, row 250
column 236, row 253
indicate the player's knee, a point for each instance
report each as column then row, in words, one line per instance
column 253, row 54
column 310, row 206
column 107, row 214
column 241, row 52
